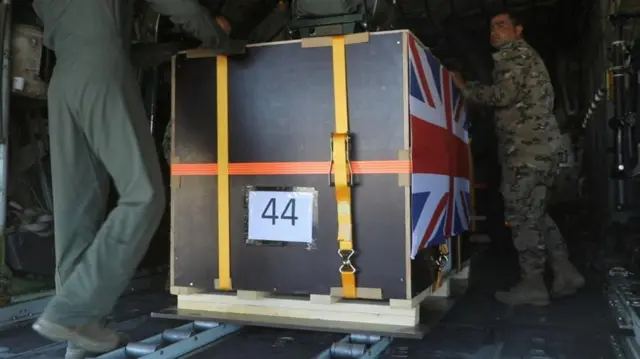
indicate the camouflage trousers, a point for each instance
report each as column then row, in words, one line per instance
column 535, row 234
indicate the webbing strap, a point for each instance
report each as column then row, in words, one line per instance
column 224, row 253
column 340, row 162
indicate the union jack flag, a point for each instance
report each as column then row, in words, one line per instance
column 440, row 152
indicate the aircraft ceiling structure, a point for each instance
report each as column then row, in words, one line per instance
column 459, row 29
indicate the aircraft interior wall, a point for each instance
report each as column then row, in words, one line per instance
column 575, row 40
column 573, row 36
column 569, row 37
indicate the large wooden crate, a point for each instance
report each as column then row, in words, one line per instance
column 253, row 136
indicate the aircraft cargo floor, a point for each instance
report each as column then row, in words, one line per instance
column 579, row 327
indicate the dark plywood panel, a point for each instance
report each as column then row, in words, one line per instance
column 195, row 228
column 376, row 97
column 378, row 207
column 194, row 201
column 423, row 272
column 281, row 105
column 195, row 110
column 281, row 109
column 284, row 89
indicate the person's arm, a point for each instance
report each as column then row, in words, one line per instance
column 195, row 19
column 506, row 91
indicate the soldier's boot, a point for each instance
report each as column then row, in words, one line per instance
column 530, row 290
column 566, row 278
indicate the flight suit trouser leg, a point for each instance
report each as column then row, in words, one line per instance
column 98, row 128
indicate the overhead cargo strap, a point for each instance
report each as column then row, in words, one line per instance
column 224, row 253
column 340, row 164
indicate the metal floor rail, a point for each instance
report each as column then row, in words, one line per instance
column 357, row 346
column 192, row 338
column 623, row 294
column 29, row 306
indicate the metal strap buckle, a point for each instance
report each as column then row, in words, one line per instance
column 346, row 266
column 348, row 157
column 442, row 259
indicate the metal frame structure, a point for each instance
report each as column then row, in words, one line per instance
column 5, row 91
column 624, row 303
column 174, row 343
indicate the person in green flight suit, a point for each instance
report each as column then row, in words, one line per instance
column 99, row 129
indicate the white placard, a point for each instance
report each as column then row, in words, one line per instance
column 281, row 216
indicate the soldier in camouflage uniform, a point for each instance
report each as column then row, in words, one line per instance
column 530, row 148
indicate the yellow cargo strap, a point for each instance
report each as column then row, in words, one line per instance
column 340, row 142
column 224, row 252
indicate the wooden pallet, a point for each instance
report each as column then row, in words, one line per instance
column 394, row 312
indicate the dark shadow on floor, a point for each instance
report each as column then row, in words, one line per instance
column 478, row 326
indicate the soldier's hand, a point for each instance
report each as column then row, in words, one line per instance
column 458, row 81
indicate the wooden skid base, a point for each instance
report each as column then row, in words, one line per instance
column 323, row 312
column 395, row 331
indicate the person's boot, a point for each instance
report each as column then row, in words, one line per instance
column 75, row 352
column 566, row 278
column 94, row 338
column 530, row 290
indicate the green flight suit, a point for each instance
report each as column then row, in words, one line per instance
column 99, row 129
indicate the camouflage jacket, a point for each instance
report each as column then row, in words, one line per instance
column 523, row 98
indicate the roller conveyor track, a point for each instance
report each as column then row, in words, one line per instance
column 477, row 327
column 174, row 343
column 357, row 346
column 200, row 339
